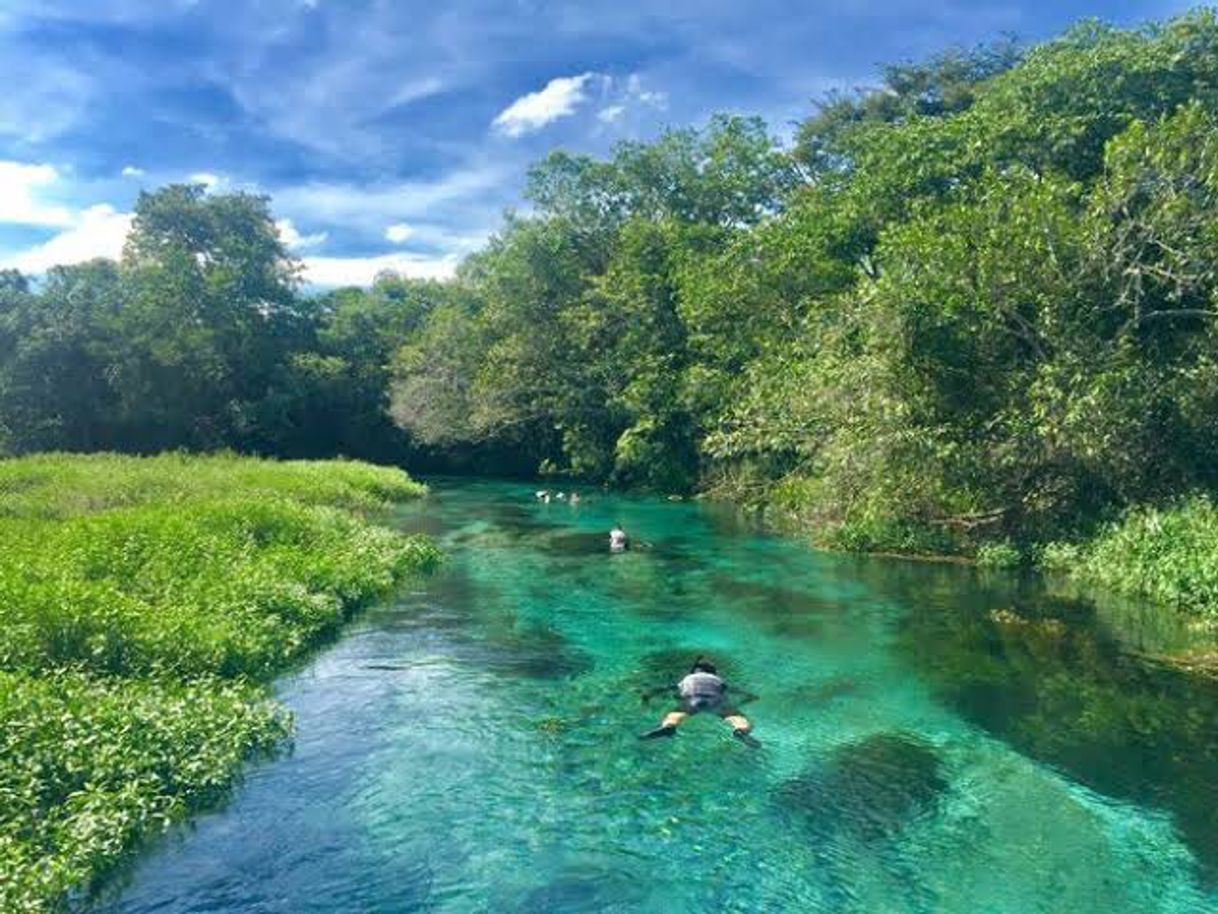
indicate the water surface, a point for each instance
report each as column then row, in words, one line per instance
column 934, row 739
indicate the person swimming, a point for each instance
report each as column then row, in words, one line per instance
column 702, row 689
column 618, row 540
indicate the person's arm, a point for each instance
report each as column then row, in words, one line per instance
column 747, row 696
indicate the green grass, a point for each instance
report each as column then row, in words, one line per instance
column 1168, row 554
column 65, row 485
column 144, row 603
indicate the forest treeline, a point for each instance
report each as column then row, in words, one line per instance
column 974, row 304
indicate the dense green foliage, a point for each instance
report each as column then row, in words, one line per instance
column 142, row 602
column 969, row 310
column 1169, row 554
column 199, row 338
column 974, row 305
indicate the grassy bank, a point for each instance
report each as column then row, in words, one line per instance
column 144, row 603
column 1167, row 554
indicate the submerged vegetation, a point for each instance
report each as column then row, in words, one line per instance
column 144, row 601
column 971, row 310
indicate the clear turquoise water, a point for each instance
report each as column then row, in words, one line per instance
column 472, row 746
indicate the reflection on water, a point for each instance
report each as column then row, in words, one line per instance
column 934, row 740
column 1035, row 674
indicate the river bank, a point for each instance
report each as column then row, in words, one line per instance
column 145, row 603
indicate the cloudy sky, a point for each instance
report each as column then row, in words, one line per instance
column 393, row 133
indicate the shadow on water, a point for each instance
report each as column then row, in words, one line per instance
column 534, row 653
column 784, row 611
column 582, row 889
column 1038, row 671
column 576, row 545
column 870, row 789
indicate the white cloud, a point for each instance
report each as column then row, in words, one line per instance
column 531, row 112
column 398, row 232
column 206, row 178
column 130, row 171
column 99, row 231
column 293, row 239
column 416, row 89
column 612, row 114
column 361, row 271
column 21, row 187
column 623, row 98
column 372, row 207
column 45, row 98
column 636, row 92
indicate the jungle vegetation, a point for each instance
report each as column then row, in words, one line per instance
column 970, row 309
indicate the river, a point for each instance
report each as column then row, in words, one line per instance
column 934, row 738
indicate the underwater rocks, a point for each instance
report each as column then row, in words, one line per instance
column 870, row 789
column 1011, row 619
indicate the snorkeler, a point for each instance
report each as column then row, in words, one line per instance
column 703, row 690
column 618, row 540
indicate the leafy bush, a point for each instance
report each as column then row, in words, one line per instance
column 1169, row 554
column 1059, row 556
column 1002, row 554
column 141, row 601
column 888, row 534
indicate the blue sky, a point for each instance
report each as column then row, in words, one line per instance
column 393, row 133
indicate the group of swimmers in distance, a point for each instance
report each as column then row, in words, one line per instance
column 546, row 496
column 701, row 689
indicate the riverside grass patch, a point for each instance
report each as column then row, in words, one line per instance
column 144, row 603
column 1168, row 554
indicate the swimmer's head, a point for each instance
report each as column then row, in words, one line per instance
column 702, row 665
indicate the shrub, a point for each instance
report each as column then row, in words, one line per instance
column 1168, row 553
column 1002, row 554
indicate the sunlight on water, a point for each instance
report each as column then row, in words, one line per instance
column 473, row 747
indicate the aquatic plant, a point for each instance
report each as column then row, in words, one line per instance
column 142, row 603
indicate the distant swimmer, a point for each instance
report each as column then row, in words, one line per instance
column 703, row 689
column 618, row 540
column 575, row 499
column 542, row 495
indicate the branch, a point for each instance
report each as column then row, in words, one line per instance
column 971, row 521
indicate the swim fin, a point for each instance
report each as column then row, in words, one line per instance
column 665, row 730
column 747, row 738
